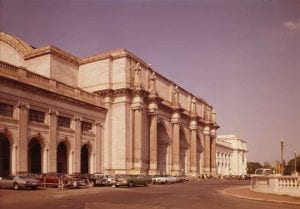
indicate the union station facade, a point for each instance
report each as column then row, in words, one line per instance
column 109, row 113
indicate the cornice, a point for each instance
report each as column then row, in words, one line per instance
column 22, row 47
column 47, row 93
column 52, row 50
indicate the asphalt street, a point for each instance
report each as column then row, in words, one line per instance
column 189, row 195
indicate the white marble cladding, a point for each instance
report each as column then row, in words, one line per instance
column 231, row 155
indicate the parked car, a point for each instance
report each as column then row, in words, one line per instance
column 85, row 179
column 18, row 182
column 59, row 179
column 167, row 179
column 132, row 180
column 104, row 179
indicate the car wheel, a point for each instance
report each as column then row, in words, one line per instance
column 92, row 183
column 16, row 186
column 33, row 188
column 130, row 184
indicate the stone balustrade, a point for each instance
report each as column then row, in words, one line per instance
column 289, row 185
column 23, row 75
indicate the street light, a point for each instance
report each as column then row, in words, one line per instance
column 281, row 147
column 295, row 164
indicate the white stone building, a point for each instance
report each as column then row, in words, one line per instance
column 110, row 113
column 231, row 155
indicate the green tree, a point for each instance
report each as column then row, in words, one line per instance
column 252, row 166
column 290, row 167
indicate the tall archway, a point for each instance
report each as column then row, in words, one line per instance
column 84, row 159
column 34, row 156
column 163, row 142
column 183, row 153
column 5, row 168
column 62, row 158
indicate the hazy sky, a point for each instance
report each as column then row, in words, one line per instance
column 242, row 56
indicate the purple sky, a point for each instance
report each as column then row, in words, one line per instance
column 243, row 57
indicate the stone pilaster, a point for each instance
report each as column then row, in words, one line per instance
column 22, row 143
column 154, row 100
column 153, row 143
column 52, row 152
column 98, row 151
column 193, row 149
column 206, row 133
column 213, row 151
column 77, row 144
column 137, row 143
column 175, row 121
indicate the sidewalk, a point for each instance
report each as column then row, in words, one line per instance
column 245, row 193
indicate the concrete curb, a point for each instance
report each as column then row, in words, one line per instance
column 226, row 192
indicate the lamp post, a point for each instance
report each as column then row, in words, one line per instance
column 281, row 157
column 295, row 163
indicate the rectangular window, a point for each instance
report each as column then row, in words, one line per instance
column 36, row 116
column 64, row 122
column 86, row 126
column 6, row 109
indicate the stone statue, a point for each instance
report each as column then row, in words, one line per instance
column 176, row 96
column 152, row 85
column 193, row 108
column 207, row 115
column 137, row 75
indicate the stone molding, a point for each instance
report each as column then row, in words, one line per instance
column 53, row 112
column 23, row 105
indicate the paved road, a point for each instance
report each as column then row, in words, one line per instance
column 190, row 195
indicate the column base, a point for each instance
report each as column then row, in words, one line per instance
column 153, row 172
column 213, row 172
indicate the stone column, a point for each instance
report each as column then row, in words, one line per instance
column 138, row 135
column 52, row 162
column 213, row 151
column 22, row 142
column 98, row 147
column 153, row 144
column 193, row 149
column 77, row 147
column 175, row 121
column 206, row 150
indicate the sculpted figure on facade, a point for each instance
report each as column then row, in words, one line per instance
column 193, row 107
column 207, row 116
column 137, row 76
column 176, row 96
column 152, row 85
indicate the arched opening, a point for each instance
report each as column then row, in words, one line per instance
column 34, row 156
column 62, row 158
column 4, row 156
column 183, row 153
column 163, row 142
column 84, row 159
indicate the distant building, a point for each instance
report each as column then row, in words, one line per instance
column 231, row 155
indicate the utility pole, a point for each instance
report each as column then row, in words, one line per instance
column 281, row 147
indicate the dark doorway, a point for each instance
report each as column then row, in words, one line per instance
column 4, row 156
column 34, row 156
column 84, row 168
column 62, row 158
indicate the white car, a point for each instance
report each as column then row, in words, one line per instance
column 164, row 179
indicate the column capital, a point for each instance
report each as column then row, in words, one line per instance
column 175, row 121
column 136, row 107
column 53, row 112
column 78, row 118
column 213, row 132
column 23, row 105
column 98, row 123
column 193, row 125
column 206, row 130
